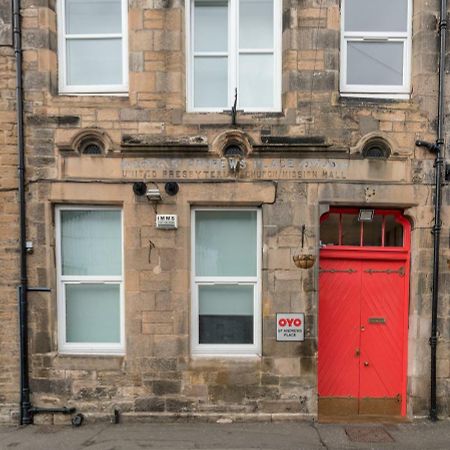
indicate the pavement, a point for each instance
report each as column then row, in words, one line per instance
column 308, row 435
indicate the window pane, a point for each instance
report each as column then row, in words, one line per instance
column 372, row 231
column 226, row 314
column 210, row 26
column 375, row 63
column 376, row 15
column 329, row 230
column 94, row 61
column 256, row 81
column 210, row 82
column 92, row 313
column 351, row 230
column 93, row 16
column 91, row 242
column 225, row 243
column 393, row 232
column 255, row 24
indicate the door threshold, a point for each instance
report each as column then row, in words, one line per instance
column 362, row 418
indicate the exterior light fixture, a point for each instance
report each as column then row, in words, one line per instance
column 366, row 215
column 153, row 195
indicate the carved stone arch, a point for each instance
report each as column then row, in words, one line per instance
column 90, row 141
column 375, row 145
column 230, row 141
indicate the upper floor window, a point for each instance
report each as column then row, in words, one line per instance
column 93, row 54
column 234, row 44
column 376, row 47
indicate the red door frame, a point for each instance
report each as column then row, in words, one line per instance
column 380, row 253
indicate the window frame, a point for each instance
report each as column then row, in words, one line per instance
column 377, row 91
column 233, row 58
column 227, row 350
column 91, row 89
column 84, row 348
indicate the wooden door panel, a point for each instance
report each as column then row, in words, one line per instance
column 382, row 329
column 339, row 335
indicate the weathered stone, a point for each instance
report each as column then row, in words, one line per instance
column 150, row 404
column 164, row 387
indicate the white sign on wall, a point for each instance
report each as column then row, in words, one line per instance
column 290, row 326
column 166, row 221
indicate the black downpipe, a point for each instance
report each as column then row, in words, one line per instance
column 25, row 415
column 26, row 409
column 439, row 148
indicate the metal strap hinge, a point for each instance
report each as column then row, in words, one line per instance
column 400, row 271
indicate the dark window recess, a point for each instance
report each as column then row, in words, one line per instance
column 372, row 233
column 376, row 149
column 225, row 329
column 351, row 229
column 92, row 149
column 393, row 232
column 329, row 230
column 233, row 150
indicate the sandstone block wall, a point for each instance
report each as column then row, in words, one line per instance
column 157, row 374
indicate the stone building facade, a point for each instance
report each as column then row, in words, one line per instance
column 288, row 166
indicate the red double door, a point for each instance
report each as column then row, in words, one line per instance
column 362, row 336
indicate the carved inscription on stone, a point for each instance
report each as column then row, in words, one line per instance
column 252, row 169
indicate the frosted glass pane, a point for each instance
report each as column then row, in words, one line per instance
column 92, row 313
column 256, row 81
column 93, row 16
column 226, row 300
column 375, row 63
column 225, row 243
column 91, row 242
column 226, row 314
column 255, row 24
column 210, row 82
column 94, row 61
column 210, row 26
column 376, row 15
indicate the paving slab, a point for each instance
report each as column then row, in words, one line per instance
column 307, row 435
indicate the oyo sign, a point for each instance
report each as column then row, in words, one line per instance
column 290, row 327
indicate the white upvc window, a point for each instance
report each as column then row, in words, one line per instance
column 226, row 282
column 376, row 48
column 234, row 44
column 93, row 46
column 89, row 258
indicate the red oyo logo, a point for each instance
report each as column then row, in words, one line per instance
column 296, row 322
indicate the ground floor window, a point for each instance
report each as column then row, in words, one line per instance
column 226, row 265
column 90, row 279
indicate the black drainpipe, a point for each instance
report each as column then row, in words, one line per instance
column 26, row 409
column 438, row 149
column 437, row 205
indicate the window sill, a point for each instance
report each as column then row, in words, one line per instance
column 375, row 96
column 227, row 357
column 93, row 94
column 90, row 351
column 84, row 354
column 224, row 118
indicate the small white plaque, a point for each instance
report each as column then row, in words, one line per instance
column 167, row 221
column 290, row 326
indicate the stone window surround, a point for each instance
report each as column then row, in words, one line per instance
column 65, row 348
column 380, row 92
column 64, row 87
column 232, row 65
